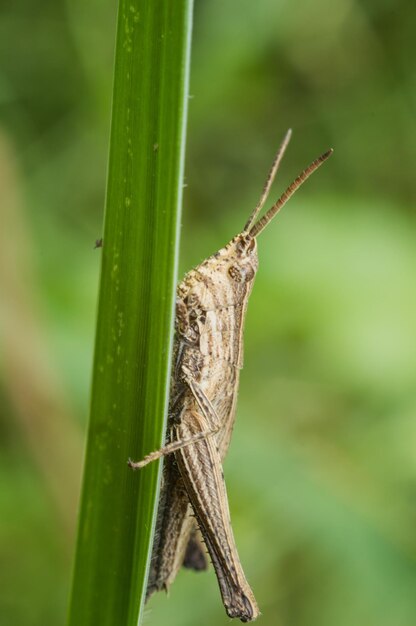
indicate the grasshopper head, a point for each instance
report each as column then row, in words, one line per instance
column 235, row 264
column 240, row 261
column 225, row 278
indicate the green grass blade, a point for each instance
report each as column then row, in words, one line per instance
column 134, row 327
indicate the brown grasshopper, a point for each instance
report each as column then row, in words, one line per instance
column 207, row 358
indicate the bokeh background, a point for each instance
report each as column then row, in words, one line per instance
column 322, row 469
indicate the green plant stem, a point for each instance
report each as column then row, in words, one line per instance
column 134, row 327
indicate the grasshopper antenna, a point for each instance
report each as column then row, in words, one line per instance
column 265, row 220
column 269, row 180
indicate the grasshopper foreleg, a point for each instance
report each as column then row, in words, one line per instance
column 201, row 470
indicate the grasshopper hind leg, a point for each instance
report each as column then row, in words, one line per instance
column 201, row 472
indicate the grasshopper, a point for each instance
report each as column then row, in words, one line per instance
column 207, row 358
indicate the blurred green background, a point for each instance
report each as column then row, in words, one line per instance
column 322, row 469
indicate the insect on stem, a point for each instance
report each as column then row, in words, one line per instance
column 211, row 304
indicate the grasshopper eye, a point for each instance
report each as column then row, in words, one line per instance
column 241, row 274
column 235, row 273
